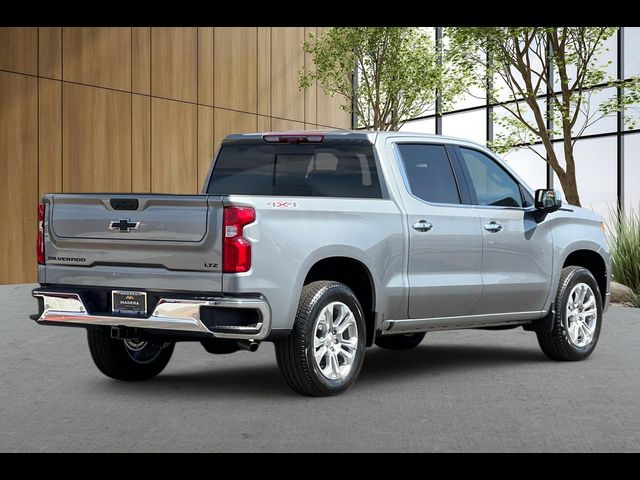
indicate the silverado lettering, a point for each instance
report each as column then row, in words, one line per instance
column 66, row 259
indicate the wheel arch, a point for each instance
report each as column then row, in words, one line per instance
column 355, row 274
column 592, row 261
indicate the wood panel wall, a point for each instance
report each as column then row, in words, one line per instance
column 135, row 110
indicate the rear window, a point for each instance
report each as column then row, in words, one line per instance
column 296, row 170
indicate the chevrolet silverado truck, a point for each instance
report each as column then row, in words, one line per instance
column 323, row 243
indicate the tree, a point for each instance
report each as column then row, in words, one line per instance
column 523, row 58
column 398, row 72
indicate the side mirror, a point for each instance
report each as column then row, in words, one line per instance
column 547, row 201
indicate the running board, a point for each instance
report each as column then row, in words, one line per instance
column 416, row 325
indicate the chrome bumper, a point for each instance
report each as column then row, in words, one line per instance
column 173, row 315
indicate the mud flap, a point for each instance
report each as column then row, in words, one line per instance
column 545, row 324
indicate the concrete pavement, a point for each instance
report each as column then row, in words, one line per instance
column 458, row 391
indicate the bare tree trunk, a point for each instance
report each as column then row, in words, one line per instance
column 568, row 182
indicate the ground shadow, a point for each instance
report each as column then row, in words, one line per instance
column 381, row 366
column 264, row 380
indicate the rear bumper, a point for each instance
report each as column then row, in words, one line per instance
column 171, row 315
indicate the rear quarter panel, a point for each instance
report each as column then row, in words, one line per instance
column 288, row 240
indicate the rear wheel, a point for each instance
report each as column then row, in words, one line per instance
column 578, row 317
column 400, row 342
column 129, row 359
column 323, row 354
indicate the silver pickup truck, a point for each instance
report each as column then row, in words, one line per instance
column 324, row 243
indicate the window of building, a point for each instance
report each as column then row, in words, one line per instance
column 501, row 114
column 596, row 173
column 632, row 172
column 591, row 114
column 429, row 172
column 423, row 125
column 475, row 97
column 631, row 49
column 529, row 166
column 469, row 125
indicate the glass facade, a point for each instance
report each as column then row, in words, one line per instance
column 607, row 157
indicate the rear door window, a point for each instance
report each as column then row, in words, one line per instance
column 429, row 172
column 296, row 170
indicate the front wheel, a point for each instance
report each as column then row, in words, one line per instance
column 323, row 354
column 578, row 317
column 128, row 359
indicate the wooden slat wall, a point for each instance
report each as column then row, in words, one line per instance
column 19, row 50
column 205, row 65
column 135, row 109
column 96, row 139
column 235, row 68
column 141, row 60
column 97, row 56
column 19, row 177
column 174, row 63
column 287, row 59
column 140, row 143
column 174, row 146
column 50, row 136
column 50, row 52
column 230, row 121
column 206, row 144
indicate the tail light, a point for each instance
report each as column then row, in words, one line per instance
column 40, row 240
column 236, row 250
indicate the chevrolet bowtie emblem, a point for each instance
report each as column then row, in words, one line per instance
column 124, row 225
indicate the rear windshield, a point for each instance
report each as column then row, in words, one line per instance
column 296, row 170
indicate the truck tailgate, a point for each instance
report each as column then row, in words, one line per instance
column 167, row 218
column 134, row 231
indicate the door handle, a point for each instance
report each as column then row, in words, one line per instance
column 493, row 227
column 422, row 226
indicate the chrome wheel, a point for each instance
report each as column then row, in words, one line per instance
column 335, row 340
column 581, row 315
column 141, row 351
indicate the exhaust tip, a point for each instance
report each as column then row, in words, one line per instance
column 250, row 345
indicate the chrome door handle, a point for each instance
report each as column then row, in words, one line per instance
column 422, row 226
column 493, row 227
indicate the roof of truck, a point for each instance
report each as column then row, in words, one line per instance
column 353, row 135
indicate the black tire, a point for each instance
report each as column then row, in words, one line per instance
column 557, row 344
column 116, row 360
column 400, row 342
column 295, row 353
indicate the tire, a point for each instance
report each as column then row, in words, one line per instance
column 139, row 361
column 561, row 343
column 400, row 342
column 340, row 353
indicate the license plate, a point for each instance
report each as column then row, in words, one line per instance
column 129, row 302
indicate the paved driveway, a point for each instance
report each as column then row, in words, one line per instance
column 458, row 391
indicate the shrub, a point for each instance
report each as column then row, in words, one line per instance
column 624, row 240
